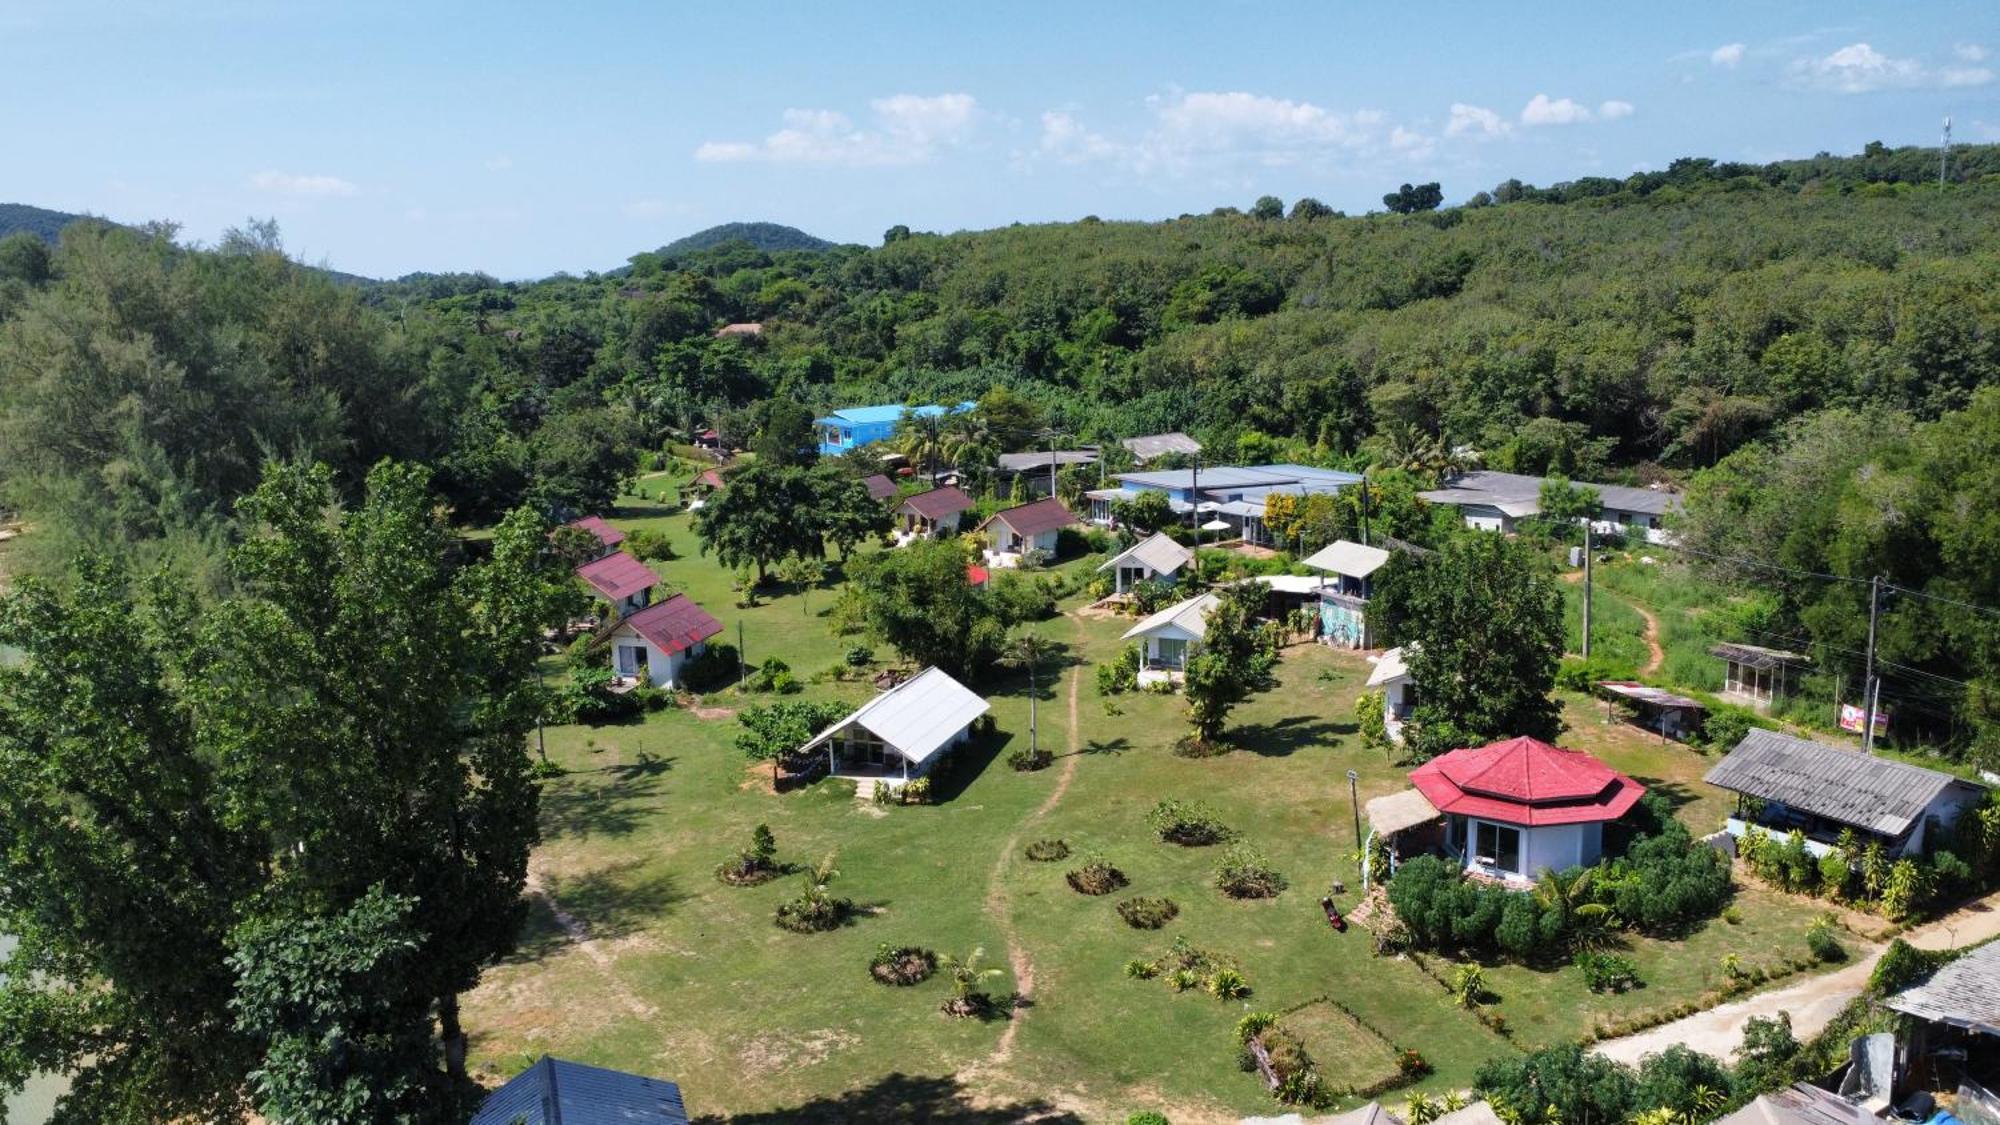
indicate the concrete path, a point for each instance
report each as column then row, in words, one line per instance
column 1812, row 1002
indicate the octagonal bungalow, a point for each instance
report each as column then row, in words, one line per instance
column 1517, row 808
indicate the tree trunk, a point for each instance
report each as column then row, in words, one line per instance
column 452, row 1036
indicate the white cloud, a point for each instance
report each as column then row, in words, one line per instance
column 1411, row 143
column 289, row 184
column 1729, row 54
column 907, row 129
column 1228, row 132
column 1970, row 52
column 1540, row 110
column 1066, row 139
column 1859, row 68
column 1237, row 120
column 1476, row 121
column 1613, row 110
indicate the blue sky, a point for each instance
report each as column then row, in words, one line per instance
column 525, row 138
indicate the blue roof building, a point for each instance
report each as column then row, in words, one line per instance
column 857, row 426
column 557, row 1092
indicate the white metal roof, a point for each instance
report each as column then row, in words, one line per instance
column 918, row 717
column 1190, row 616
column 1389, row 666
column 1291, row 583
column 1157, row 552
column 1349, row 558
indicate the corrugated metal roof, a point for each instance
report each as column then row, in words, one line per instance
column 606, row 534
column 1965, row 993
column 1351, row 559
column 1646, row 693
column 919, row 716
column 1206, row 479
column 1029, row 520
column 675, row 624
column 939, row 502
column 1190, row 616
column 1802, row 1104
column 618, row 576
column 1389, row 666
column 890, row 412
column 1757, row 656
column 1847, row 786
column 1518, row 494
column 880, row 487
column 1158, row 445
column 1157, row 552
column 1030, row 461
column 558, row 1092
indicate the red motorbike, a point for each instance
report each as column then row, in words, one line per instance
column 1333, row 917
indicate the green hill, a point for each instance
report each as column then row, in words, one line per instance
column 768, row 237
column 38, row 221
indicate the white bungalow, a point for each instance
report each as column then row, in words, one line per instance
column 1156, row 558
column 1784, row 784
column 1343, row 599
column 1399, row 692
column 1169, row 637
column 655, row 643
column 1029, row 528
column 902, row 733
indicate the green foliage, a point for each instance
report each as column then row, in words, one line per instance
column 1903, row 965
column 1408, row 200
column 1121, row 673
column 919, row 601
column 1246, row 873
column 1190, row 824
column 1231, row 662
column 775, row 732
column 1607, row 972
column 1570, row 1084
column 1823, row 939
column 1148, row 913
column 1371, row 717
column 1146, row 1117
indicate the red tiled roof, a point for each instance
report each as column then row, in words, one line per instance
column 675, row 624
column 1526, row 781
column 977, row 575
column 606, row 534
column 618, row 576
column 1030, row 520
column 710, row 477
column 879, row 487
column 939, row 502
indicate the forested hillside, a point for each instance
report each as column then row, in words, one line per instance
column 1642, row 328
column 39, row 221
column 769, row 237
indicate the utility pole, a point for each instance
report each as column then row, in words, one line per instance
column 1034, row 730
column 1873, row 686
column 740, row 674
column 1354, row 802
column 1364, row 510
column 1944, row 152
column 1586, row 590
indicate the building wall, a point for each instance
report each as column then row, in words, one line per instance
column 1552, row 847
column 663, row 669
column 1484, row 518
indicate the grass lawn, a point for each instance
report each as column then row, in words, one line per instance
column 681, row 976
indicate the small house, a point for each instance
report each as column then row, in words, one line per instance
column 709, row 481
column 856, row 426
column 1673, row 715
column 1233, row 496
column 1169, row 636
column 607, row 537
column 1496, row 501
column 1014, row 532
column 1757, row 676
column 1391, row 677
column 558, row 1092
column 1784, row 783
column 1958, row 1007
column 621, row 580
column 1036, row 470
column 1156, row 558
column 708, row 439
column 1343, row 598
column 902, row 733
column 655, row 643
column 1517, row 808
column 934, row 513
column 880, row 487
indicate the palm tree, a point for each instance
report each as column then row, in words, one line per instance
column 1028, row 651
column 1568, row 894
column 966, row 974
column 919, row 436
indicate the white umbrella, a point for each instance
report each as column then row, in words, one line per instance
column 1217, row 525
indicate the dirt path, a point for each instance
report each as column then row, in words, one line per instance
column 1812, row 1003
column 1655, row 655
column 579, row 937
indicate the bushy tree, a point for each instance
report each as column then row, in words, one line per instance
column 1570, row 1084
column 920, row 602
column 1233, row 659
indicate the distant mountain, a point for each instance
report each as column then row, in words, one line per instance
column 38, row 221
column 768, row 237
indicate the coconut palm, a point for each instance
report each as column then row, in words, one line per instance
column 1028, row 650
column 1568, row 894
column 920, row 437
column 966, row 975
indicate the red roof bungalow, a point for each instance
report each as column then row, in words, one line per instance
column 659, row 640
column 620, row 579
column 708, row 439
column 1029, row 527
column 1517, row 808
column 709, row 480
column 608, row 537
column 879, row 487
column 934, row 513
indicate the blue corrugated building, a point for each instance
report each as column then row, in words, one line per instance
column 857, row 426
column 557, row 1092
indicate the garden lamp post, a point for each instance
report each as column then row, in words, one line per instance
column 1354, row 801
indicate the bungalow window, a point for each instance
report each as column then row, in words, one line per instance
column 1498, row 846
column 631, row 658
column 1170, row 652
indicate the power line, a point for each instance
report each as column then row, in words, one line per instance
column 1759, row 564
column 1942, row 598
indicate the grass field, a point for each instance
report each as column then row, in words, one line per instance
column 654, row 966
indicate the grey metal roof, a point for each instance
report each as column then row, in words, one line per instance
column 1345, row 557
column 919, row 716
column 1030, row 461
column 1190, row 616
column 1965, row 993
column 1802, row 1104
column 1757, row 656
column 1206, row 479
column 1876, row 794
column 559, row 1092
column 1518, row 494
column 1158, row 445
column 1157, row 552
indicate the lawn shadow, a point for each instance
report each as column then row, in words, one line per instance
column 648, row 765
column 616, row 899
column 641, row 508
column 1675, row 793
column 1284, row 737
column 614, row 807
column 903, row 1097
column 1112, row 746
column 967, row 763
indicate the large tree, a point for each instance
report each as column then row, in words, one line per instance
column 320, row 779
column 920, row 601
column 1481, row 623
column 1233, row 659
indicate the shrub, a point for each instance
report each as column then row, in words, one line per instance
column 1121, row 674
column 1140, row 969
column 1148, row 913
column 648, row 545
column 860, row 656
column 815, row 910
column 766, row 677
column 1147, row 1117
column 1468, row 985
column 650, row 698
column 916, row 791
column 1025, row 760
column 1372, row 720
column 1245, row 873
column 1605, row 972
column 589, row 699
column 712, row 670
column 1823, row 941
column 901, row 965
column 1227, row 983
column 1096, row 877
column 1190, row 824
column 1666, row 882
column 1902, row 965
column 1048, row 851
column 754, row 864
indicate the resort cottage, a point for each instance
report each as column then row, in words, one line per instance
column 934, row 513
column 856, row 426
column 1156, row 558
column 1784, row 783
column 1168, row 638
column 621, row 580
column 654, row 644
column 1495, row 501
column 1391, row 677
column 1154, row 446
column 1036, row 470
column 1036, row 527
column 902, row 733
column 1512, row 810
column 1343, row 599
column 880, row 487
column 607, row 537
column 559, row 1092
